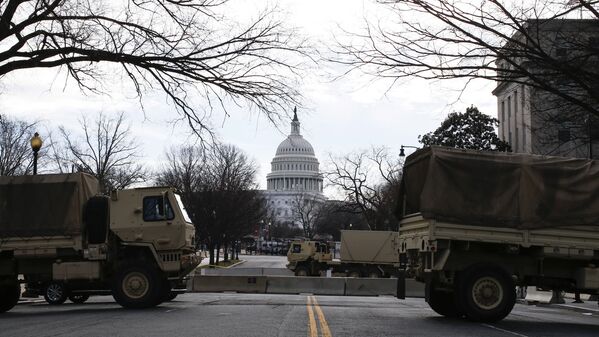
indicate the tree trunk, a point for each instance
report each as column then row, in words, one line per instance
column 217, row 252
column 226, row 252
column 211, row 253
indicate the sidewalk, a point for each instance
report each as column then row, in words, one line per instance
column 587, row 306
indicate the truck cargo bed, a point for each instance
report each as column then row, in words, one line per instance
column 416, row 232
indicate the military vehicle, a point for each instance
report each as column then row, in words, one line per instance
column 362, row 254
column 63, row 239
column 478, row 224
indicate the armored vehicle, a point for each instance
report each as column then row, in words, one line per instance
column 63, row 239
column 362, row 254
column 477, row 224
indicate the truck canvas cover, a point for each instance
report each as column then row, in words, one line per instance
column 44, row 205
column 369, row 246
column 500, row 189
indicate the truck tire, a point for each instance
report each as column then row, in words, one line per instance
column 167, row 292
column 78, row 299
column 171, row 295
column 55, row 293
column 137, row 286
column 302, row 271
column 486, row 294
column 354, row 273
column 442, row 302
column 9, row 296
column 96, row 219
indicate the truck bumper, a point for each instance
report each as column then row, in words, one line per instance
column 189, row 262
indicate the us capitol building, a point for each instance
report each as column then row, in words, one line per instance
column 294, row 176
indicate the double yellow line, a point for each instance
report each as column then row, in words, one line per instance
column 312, row 328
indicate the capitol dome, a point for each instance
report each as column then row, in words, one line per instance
column 295, row 166
column 295, row 144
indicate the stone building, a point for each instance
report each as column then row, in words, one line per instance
column 533, row 120
column 294, row 177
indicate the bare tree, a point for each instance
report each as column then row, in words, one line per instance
column 219, row 190
column 335, row 217
column 368, row 179
column 15, row 151
column 183, row 170
column 177, row 46
column 306, row 209
column 106, row 150
column 487, row 39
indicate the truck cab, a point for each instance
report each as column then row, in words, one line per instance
column 305, row 256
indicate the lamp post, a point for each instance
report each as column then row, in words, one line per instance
column 401, row 149
column 36, row 145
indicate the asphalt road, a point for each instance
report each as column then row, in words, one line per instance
column 239, row 315
column 262, row 261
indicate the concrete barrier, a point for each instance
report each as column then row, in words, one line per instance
column 246, row 271
column 240, row 284
column 370, row 286
column 310, row 285
column 296, row 285
column 584, row 297
column 533, row 295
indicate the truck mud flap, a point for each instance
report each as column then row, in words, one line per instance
column 401, row 285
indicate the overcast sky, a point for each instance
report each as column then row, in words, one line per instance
column 339, row 116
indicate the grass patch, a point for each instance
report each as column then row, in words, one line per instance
column 221, row 264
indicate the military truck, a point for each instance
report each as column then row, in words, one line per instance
column 61, row 238
column 362, row 254
column 478, row 224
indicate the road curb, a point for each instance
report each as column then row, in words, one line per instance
column 561, row 306
column 31, row 301
column 236, row 264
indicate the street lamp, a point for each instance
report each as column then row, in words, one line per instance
column 401, row 151
column 269, row 234
column 36, row 145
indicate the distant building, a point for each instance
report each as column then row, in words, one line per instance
column 294, row 176
column 533, row 120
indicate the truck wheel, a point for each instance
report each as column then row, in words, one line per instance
column 9, row 296
column 137, row 286
column 302, row 271
column 55, row 293
column 354, row 273
column 167, row 291
column 442, row 302
column 171, row 296
column 486, row 294
column 78, row 299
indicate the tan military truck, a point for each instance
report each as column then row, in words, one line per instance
column 61, row 238
column 362, row 254
column 478, row 224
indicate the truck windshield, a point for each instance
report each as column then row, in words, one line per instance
column 182, row 208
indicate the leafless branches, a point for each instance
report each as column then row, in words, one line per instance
column 180, row 47
column 306, row 210
column 15, row 151
column 367, row 179
column 219, row 189
column 463, row 39
column 106, row 150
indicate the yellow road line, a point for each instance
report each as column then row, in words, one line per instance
column 324, row 327
column 312, row 330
